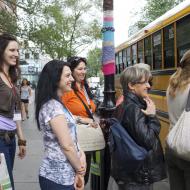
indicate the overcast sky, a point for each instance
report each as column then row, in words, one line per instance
column 123, row 16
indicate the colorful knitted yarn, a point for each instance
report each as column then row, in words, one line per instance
column 108, row 53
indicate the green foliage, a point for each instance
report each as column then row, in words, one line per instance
column 9, row 24
column 155, row 8
column 64, row 28
column 61, row 28
column 151, row 11
column 94, row 62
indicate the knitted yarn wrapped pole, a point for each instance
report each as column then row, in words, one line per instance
column 108, row 68
column 108, row 57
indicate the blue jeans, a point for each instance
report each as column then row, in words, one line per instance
column 9, row 150
column 46, row 184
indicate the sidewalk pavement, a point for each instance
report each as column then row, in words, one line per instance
column 26, row 170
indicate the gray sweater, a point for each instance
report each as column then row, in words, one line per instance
column 176, row 105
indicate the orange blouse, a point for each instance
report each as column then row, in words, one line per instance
column 74, row 104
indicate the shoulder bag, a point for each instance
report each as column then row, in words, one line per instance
column 178, row 138
column 90, row 139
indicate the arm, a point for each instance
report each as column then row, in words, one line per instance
column 30, row 91
column 66, row 142
column 22, row 145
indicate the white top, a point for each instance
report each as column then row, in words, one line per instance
column 176, row 105
column 55, row 165
column 25, row 92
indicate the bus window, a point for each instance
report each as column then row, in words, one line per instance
column 157, row 50
column 148, row 51
column 169, row 61
column 124, row 58
column 117, row 63
column 140, row 51
column 183, row 39
column 128, row 56
column 120, row 61
column 134, row 54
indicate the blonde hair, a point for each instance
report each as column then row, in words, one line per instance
column 181, row 78
column 133, row 74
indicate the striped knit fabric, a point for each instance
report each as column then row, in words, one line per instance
column 108, row 50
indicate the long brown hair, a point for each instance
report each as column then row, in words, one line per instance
column 181, row 78
column 14, row 71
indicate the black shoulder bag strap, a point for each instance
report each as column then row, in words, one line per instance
column 85, row 106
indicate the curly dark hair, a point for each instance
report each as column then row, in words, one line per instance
column 74, row 62
column 14, row 71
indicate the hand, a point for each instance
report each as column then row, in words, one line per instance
column 151, row 108
column 22, row 152
column 79, row 182
column 87, row 121
column 94, row 125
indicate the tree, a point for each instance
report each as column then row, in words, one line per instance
column 154, row 8
column 10, row 26
column 65, row 28
column 61, row 28
column 150, row 12
column 94, row 62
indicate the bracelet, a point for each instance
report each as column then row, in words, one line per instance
column 21, row 142
column 81, row 170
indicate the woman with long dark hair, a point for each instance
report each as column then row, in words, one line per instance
column 10, row 102
column 79, row 100
column 63, row 165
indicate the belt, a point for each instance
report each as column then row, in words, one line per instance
column 7, row 135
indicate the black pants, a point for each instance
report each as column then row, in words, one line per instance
column 88, row 162
column 179, row 172
column 135, row 187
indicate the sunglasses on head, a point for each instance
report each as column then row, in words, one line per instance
column 77, row 59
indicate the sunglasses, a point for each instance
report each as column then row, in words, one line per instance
column 77, row 59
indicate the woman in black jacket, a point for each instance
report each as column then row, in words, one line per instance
column 140, row 121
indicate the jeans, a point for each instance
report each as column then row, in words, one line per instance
column 9, row 150
column 179, row 172
column 46, row 184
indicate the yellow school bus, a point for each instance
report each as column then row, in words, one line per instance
column 160, row 44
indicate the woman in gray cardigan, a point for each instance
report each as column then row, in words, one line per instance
column 177, row 93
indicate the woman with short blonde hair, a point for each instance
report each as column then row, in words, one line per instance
column 140, row 121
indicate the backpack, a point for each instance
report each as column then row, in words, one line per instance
column 126, row 155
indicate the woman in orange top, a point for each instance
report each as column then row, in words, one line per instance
column 79, row 98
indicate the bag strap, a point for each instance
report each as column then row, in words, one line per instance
column 187, row 108
column 85, row 106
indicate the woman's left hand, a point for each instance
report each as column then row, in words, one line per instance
column 94, row 124
column 22, row 152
